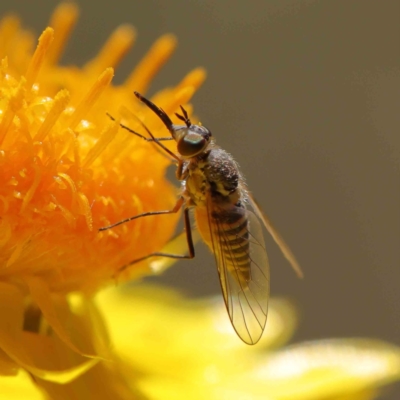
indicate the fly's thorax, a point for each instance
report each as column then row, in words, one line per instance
column 222, row 172
column 214, row 173
column 224, row 178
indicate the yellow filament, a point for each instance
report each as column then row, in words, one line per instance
column 61, row 100
column 71, row 184
column 106, row 137
column 14, row 104
column 172, row 102
column 29, row 194
column 37, row 59
column 16, row 253
column 85, row 209
column 91, row 97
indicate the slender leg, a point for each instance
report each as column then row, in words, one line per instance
column 176, row 208
column 189, row 240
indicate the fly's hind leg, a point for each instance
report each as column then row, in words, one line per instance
column 173, row 243
column 188, row 232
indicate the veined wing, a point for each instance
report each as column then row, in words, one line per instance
column 285, row 249
column 243, row 268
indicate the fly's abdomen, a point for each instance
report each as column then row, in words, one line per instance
column 233, row 238
column 226, row 233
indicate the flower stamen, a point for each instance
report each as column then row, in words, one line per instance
column 91, row 97
column 15, row 103
column 31, row 191
column 61, row 100
column 85, row 209
column 38, row 57
column 106, row 137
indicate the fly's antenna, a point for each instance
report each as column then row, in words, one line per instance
column 150, row 139
column 185, row 117
column 153, row 139
column 158, row 111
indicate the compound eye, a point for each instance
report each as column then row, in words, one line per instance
column 191, row 144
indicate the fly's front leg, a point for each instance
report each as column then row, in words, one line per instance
column 189, row 240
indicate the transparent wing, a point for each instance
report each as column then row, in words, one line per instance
column 285, row 249
column 243, row 268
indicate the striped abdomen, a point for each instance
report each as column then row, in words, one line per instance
column 229, row 239
column 231, row 231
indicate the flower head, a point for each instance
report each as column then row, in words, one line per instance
column 66, row 170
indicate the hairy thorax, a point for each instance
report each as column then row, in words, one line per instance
column 214, row 176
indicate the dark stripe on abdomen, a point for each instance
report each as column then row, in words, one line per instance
column 234, row 243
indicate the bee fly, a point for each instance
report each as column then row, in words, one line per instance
column 213, row 186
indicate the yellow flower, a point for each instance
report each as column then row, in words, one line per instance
column 66, row 170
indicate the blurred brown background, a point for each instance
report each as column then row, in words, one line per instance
column 305, row 95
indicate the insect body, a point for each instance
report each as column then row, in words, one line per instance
column 213, row 186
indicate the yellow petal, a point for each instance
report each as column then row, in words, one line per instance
column 168, row 327
column 63, row 19
column 43, row 356
column 7, row 366
column 69, row 326
column 148, row 67
column 328, row 368
column 102, row 382
column 51, row 360
column 113, row 50
column 20, row 387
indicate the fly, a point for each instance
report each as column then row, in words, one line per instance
column 213, row 187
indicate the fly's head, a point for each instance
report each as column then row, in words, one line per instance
column 191, row 140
